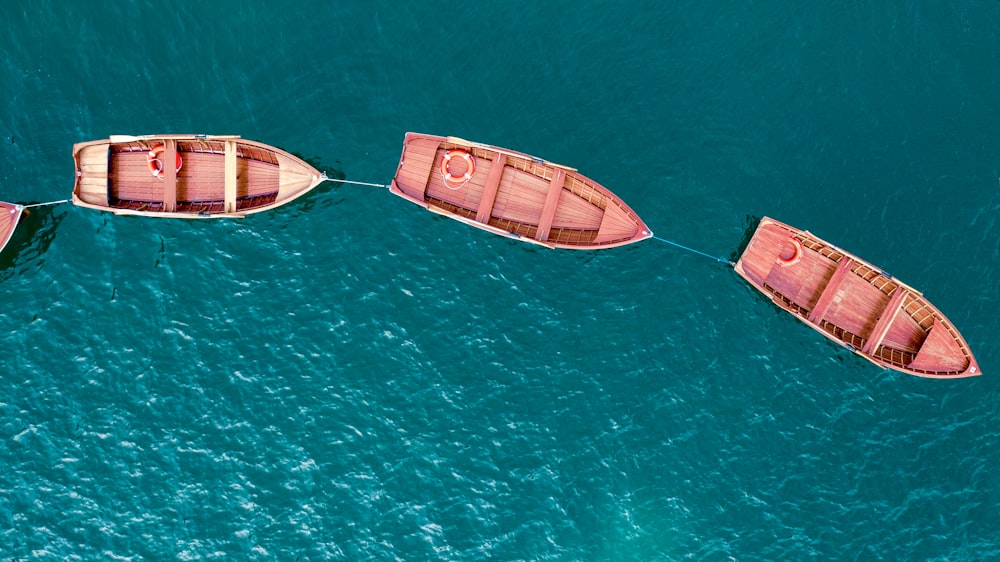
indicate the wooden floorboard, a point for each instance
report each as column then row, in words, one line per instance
column 550, row 206
column 885, row 320
column 489, row 194
column 832, row 288
column 202, row 178
column 262, row 178
column 418, row 160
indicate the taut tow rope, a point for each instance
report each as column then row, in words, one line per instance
column 720, row 260
column 328, row 178
column 45, row 204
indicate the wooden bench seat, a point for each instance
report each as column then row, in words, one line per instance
column 489, row 195
column 830, row 291
column 885, row 321
column 229, row 195
column 551, row 204
column 169, row 160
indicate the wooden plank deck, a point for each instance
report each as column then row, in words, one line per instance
column 93, row 181
column 520, row 197
column 489, row 194
column 418, row 161
column 202, row 177
column 615, row 224
column 885, row 321
column 550, row 206
column 830, row 291
column 256, row 178
column 859, row 309
column 940, row 350
column 131, row 179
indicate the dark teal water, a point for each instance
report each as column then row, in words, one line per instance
column 350, row 377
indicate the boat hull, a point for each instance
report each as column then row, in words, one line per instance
column 513, row 194
column 215, row 176
column 854, row 303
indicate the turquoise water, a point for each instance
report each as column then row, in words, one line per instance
column 351, row 377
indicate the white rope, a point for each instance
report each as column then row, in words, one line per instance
column 61, row 201
column 360, row 183
column 457, row 187
column 720, row 260
column 327, row 178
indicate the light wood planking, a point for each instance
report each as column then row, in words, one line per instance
column 940, row 348
column 418, row 163
column 489, row 194
column 169, row 160
column 832, row 288
column 92, row 182
column 550, row 206
column 131, row 178
column 885, row 320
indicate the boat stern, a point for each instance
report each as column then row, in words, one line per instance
column 90, row 188
column 762, row 251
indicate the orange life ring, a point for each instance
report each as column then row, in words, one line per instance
column 796, row 253
column 155, row 165
column 451, row 177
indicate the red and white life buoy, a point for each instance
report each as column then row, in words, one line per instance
column 155, row 165
column 451, row 177
column 796, row 253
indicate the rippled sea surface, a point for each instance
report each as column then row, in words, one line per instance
column 351, row 377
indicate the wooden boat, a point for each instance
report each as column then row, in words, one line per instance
column 513, row 194
column 854, row 303
column 212, row 176
column 10, row 215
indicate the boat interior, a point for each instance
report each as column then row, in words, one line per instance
column 533, row 199
column 212, row 177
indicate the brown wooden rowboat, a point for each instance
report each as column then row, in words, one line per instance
column 214, row 176
column 854, row 303
column 513, row 194
column 10, row 215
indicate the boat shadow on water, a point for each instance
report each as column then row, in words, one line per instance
column 751, row 226
column 752, row 221
column 30, row 240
